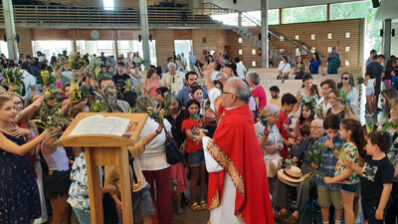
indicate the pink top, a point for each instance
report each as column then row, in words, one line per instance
column 260, row 93
column 153, row 88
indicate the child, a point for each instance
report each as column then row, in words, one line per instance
column 352, row 132
column 329, row 194
column 196, row 159
column 370, row 89
column 288, row 103
column 394, row 80
column 306, row 116
column 377, row 177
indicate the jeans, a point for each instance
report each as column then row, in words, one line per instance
column 83, row 216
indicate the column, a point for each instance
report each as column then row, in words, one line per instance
column 387, row 38
column 145, row 33
column 10, row 29
column 264, row 34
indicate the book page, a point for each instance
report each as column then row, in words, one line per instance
column 98, row 124
column 120, row 125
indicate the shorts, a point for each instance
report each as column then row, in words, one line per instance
column 370, row 91
column 142, row 203
column 328, row 197
column 349, row 188
column 369, row 212
column 196, row 158
column 57, row 184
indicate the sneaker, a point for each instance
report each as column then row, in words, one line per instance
column 180, row 211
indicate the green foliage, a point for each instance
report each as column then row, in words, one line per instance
column 46, row 79
column 13, row 77
column 305, row 14
column 263, row 118
column 389, row 125
column 360, row 80
column 76, row 62
column 103, row 101
column 167, row 98
column 343, row 97
column 319, row 112
column 315, row 154
column 98, row 107
column 94, row 69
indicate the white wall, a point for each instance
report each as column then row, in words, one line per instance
column 253, row 5
column 394, row 40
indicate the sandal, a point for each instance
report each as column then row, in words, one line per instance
column 203, row 205
column 195, row 206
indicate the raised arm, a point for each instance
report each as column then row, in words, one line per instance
column 21, row 150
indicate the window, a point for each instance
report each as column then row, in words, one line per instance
column 253, row 51
column 347, row 49
column 254, row 63
column 305, row 14
column 330, row 36
column 227, row 18
column 240, row 52
column 50, row 47
column 273, row 17
column 96, row 46
column 329, row 49
column 282, row 38
column 297, row 37
column 240, row 40
column 281, row 50
column 347, row 62
column 313, row 36
column 348, row 35
column 313, row 50
column 109, row 5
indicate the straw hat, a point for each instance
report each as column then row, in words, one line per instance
column 291, row 176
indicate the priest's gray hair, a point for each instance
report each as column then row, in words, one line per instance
column 241, row 89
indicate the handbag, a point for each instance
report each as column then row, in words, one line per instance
column 173, row 154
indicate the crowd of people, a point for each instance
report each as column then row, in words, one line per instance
column 254, row 159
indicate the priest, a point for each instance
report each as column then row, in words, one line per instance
column 238, row 188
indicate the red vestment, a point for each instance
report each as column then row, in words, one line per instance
column 237, row 150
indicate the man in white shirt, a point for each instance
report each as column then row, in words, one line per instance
column 173, row 79
column 240, row 68
column 183, row 60
column 28, row 79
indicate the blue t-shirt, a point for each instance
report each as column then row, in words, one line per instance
column 377, row 69
column 314, row 66
column 394, row 82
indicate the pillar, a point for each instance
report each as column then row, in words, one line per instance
column 145, row 33
column 10, row 29
column 264, row 34
column 387, row 38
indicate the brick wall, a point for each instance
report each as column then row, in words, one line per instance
column 217, row 40
column 338, row 29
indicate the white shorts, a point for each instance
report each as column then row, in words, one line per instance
column 370, row 90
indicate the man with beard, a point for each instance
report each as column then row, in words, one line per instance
column 192, row 81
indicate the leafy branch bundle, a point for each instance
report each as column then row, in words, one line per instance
column 46, row 79
column 360, row 80
column 94, row 69
column 76, row 62
column 343, row 97
column 13, row 77
column 315, row 154
column 102, row 101
column 51, row 116
column 263, row 118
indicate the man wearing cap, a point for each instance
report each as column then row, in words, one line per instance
column 306, row 166
column 238, row 187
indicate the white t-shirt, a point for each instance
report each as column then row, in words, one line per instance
column 213, row 75
column 28, row 81
column 240, row 69
column 371, row 83
column 284, row 68
column 154, row 156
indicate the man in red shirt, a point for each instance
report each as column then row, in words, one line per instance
column 288, row 102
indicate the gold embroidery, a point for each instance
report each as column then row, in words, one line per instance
column 228, row 165
column 215, row 201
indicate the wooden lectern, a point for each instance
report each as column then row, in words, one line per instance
column 106, row 150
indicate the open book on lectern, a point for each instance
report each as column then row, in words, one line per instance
column 98, row 124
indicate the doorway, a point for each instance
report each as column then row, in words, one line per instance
column 183, row 47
